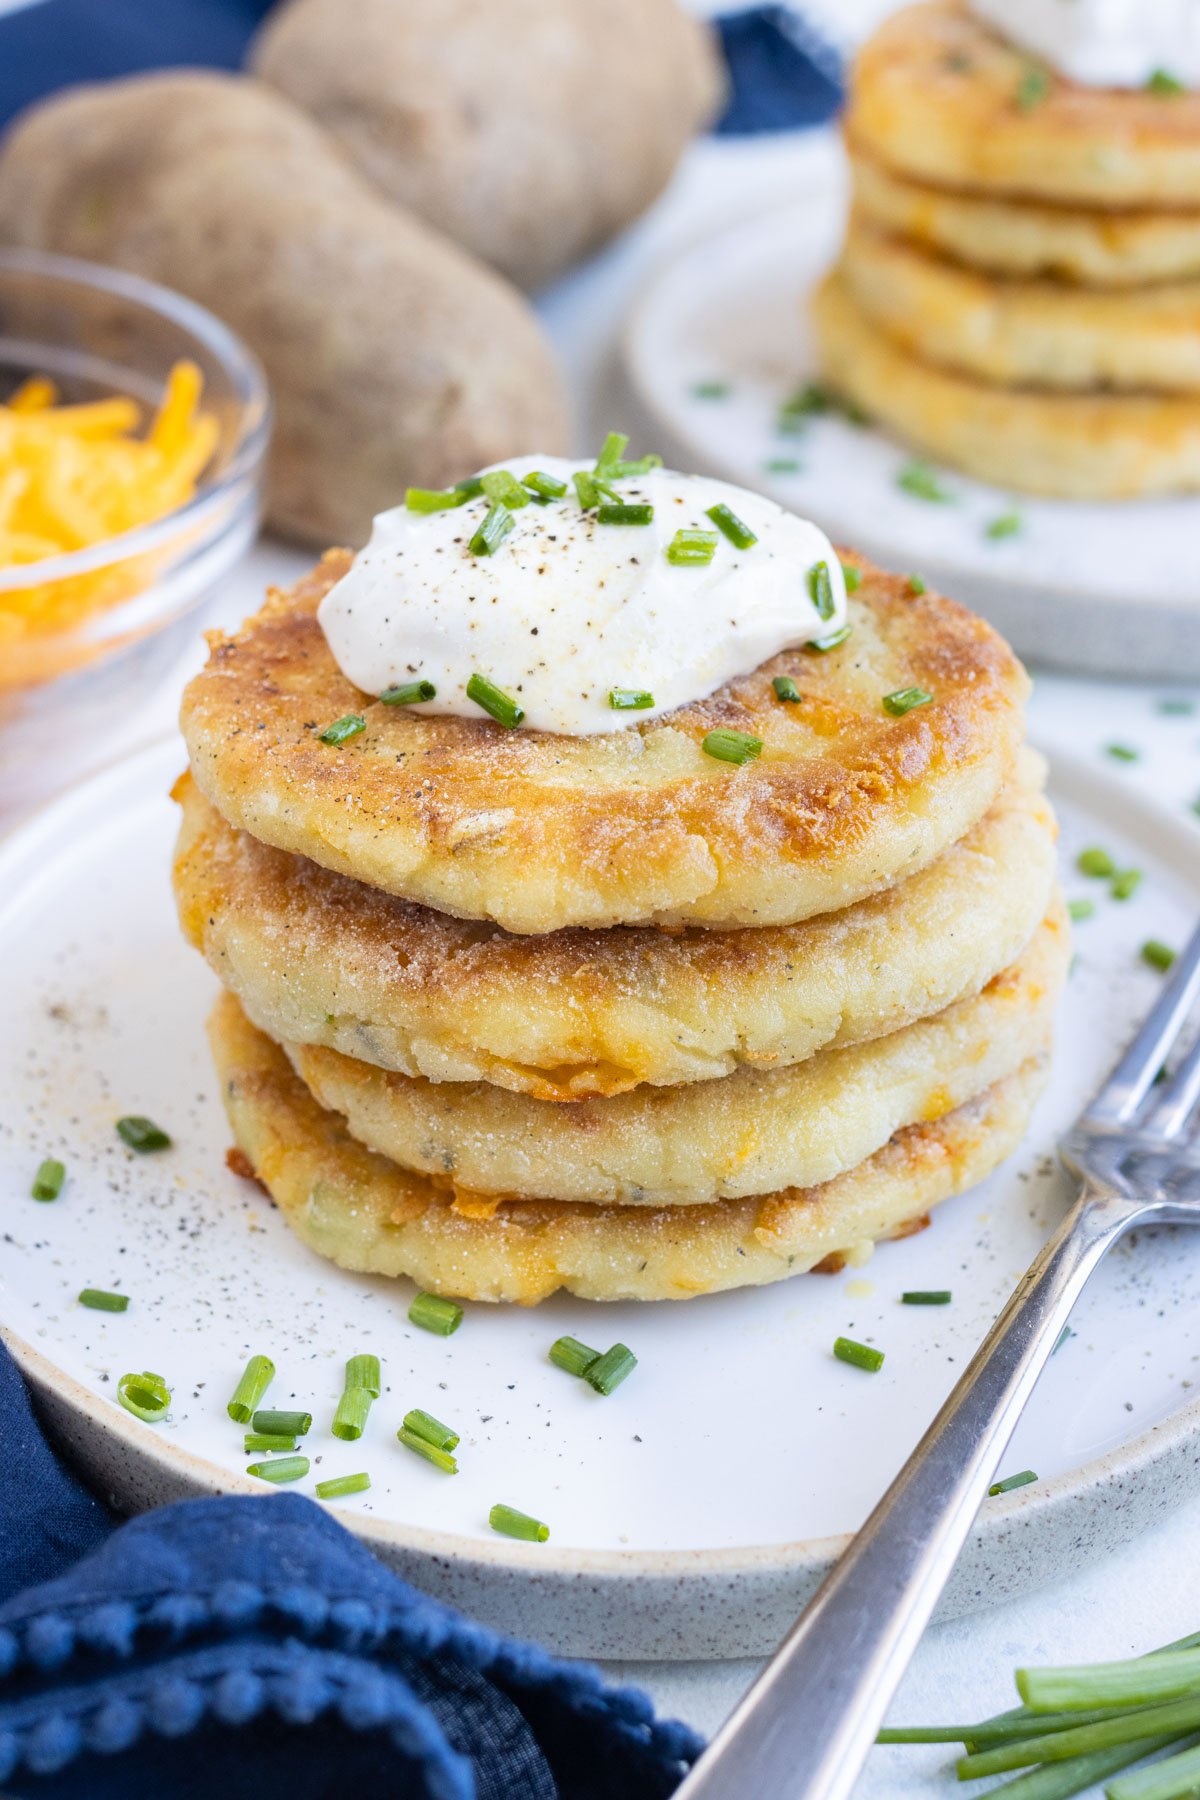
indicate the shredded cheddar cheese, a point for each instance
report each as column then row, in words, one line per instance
column 72, row 476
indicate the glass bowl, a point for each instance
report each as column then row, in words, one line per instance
column 95, row 332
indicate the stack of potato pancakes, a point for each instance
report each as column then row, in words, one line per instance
column 508, row 1011
column 1019, row 289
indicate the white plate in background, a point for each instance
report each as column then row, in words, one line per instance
column 1100, row 588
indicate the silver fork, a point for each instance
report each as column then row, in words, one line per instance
column 805, row 1726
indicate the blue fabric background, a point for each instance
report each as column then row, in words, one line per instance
column 781, row 76
column 239, row 1647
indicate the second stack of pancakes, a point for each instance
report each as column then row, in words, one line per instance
column 508, row 1013
column 1018, row 293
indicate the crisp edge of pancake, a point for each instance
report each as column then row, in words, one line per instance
column 1091, row 446
column 751, row 1133
column 317, row 959
column 365, row 1214
column 640, row 827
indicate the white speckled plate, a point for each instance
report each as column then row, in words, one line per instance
column 1111, row 589
column 692, row 1511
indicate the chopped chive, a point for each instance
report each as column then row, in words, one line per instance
column 608, row 1371
column 1179, row 709
column 432, row 1313
column 546, row 487
column 351, row 1414
column 569, row 1354
column 820, row 590
column 470, row 489
column 926, row 1297
column 1125, row 884
column 100, row 1300
column 1081, row 909
column 782, row 465
column 441, row 1459
column 1032, row 89
column 1122, row 752
column 823, row 645
column 1008, row 525
column 625, row 512
column 432, row 500
column 1061, row 1339
column 1162, row 82
column 502, row 488
column 424, row 1425
column 806, row 403
column 1157, row 954
column 142, row 1135
column 295, row 1424
column 852, row 576
column 638, row 465
column 709, row 390
column 256, row 1379
column 863, row 1356
column 615, row 445
column 511, row 1523
column 146, row 1396
column 267, row 1440
column 735, row 529
column 731, row 746
column 904, row 700
column 363, row 1372
column 408, row 693
column 48, row 1182
column 495, row 702
column 785, row 688
column 337, row 1485
column 690, row 547
column 343, row 729
column 1095, row 862
column 586, row 489
column 1012, row 1481
column 923, row 483
column 492, row 530
column 917, row 585
column 629, row 699
column 283, row 1468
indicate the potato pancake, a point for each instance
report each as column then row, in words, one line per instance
column 364, row 1213
column 538, row 832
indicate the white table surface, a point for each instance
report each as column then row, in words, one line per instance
column 1147, row 1593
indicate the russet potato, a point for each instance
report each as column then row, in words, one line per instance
column 530, row 133
column 393, row 356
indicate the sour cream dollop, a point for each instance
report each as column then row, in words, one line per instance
column 566, row 609
column 1104, row 43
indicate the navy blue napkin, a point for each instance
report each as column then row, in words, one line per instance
column 781, row 75
column 240, row 1647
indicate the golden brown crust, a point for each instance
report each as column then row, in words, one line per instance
column 1075, row 244
column 319, row 959
column 936, row 94
column 365, row 1213
column 538, row 831
column 751, row 1133
column 1040, row 334
column 1089, row 446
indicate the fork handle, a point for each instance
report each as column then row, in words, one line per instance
column 804, row 1728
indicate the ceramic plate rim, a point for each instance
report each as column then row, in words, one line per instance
column 1145, row 817
column 827, row 162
